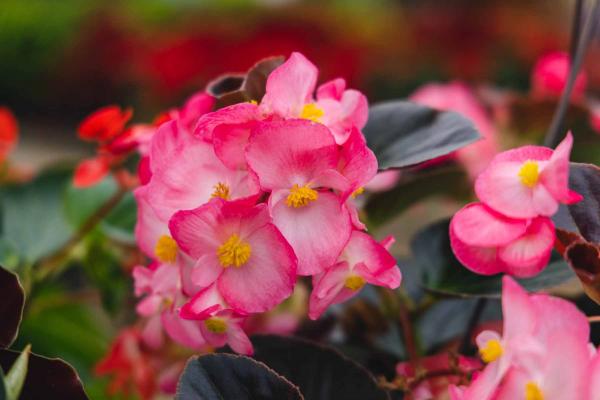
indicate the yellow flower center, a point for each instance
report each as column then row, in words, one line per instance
column 216, row 325
column 312, row 112
column 221, row 190
column 357, row 192
column 533, row 392
column 492, row 351
column 354, row 282
column 166, row 249
column 234, row 252
column 529, row 173
column 253, row 102
column 300, row 196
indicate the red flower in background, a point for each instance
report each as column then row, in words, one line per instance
column 9, row 132
column 104, row 124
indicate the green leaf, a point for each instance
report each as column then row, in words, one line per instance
column 402, row 134
column 80, row 204
column 46, row 378
column 444, row 274
column 11, row 307
column 3, row 393
column 119, row 224
column 320, row 372
column 16, row 375
column 447, row 181
column 227, row 376
column 33, row 217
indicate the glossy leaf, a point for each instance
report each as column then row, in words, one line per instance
column 585, row 179
column 80, row 204
column 402, row 134
column 15, row 377
column 11, row 307
column 320, row 372
column 46, row 378
column 119, row 224
column 227, row 376
column 3, row 394
column 443, row 273
column 33, row 216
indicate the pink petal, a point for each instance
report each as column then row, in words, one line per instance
column 152, row 334
column 481, row 260
column 594, row 378
column 332, row 89
column 206, row 270
column 230, row 142
column 306, row 227
column 329, row 289
column 149, row 227
column 203, row 305
column 477, row 225
column 239, row 341
column 196, row 231
column 237, row 114
column 266, row 279
column 357, row 162
column 529, row 254
column 519, row 312
column 290, row 86
column 284, row 153
column 556, row 315
column 555, row 175
column 186, row 333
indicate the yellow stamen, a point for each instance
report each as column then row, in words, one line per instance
column 533, row 392
column 357, row 192
column 253, row 102
column 234, row 252
column 312, row 112
column 529, row 173
column 354, row 282
column 216, row 325
column 492, row 351
column 300, row 196
column 166, row 249
column 221, row 190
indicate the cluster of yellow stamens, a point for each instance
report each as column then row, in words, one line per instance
column 166, row 249
column 533, row 392
column 354, row 282
column 300, row 196
column 492, row 351
column 357, row 192
column 529, row 173
column 234, row 252
column 216, row 325
column 312, row 112
column 221, row 190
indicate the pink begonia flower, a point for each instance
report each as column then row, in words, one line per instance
column 488, row 243
column 219, row 323
column 297, row 161
column 529, row 344
column 594, row 378
column 186, row 173
column 457, row 97
column 160, row 283
column 550, row 74
column 362, row 261
column 290, row 94
column 196, row 105
column 528, row 181
column 237, row 246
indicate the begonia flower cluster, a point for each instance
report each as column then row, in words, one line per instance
column 510, row 230
column 238, row 203
column 543, row 352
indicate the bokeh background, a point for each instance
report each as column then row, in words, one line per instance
column 59, row 60
column 62, row 59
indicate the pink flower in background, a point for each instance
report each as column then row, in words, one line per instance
column 595, row 115
column 528, row 181
column 542, row 350
column 238, row 247
column 489, row 243
column 457, row 97
column 220, row 325
column 297, row 161
column 550, row 74
column 362, row 261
